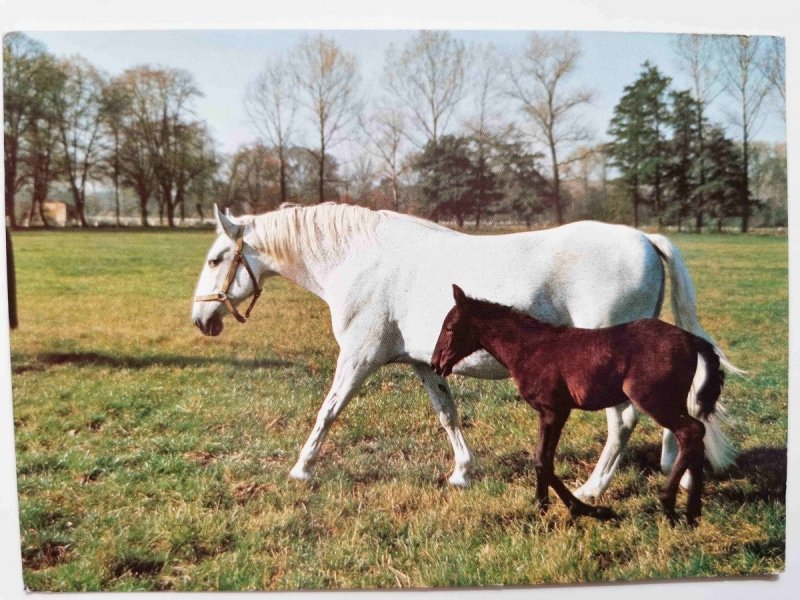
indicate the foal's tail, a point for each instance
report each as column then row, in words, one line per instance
column 702, row 404
column 684, row 303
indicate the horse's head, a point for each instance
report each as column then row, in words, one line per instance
column 232, row 272
column 457, row 339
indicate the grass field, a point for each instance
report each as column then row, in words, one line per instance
column 152, row 458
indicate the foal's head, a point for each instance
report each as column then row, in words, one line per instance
column 457, row 339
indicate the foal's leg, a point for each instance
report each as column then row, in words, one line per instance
column 621, row 421
column 689, row 433
column 442, row 402
column 669, row 453
column 551, row 422
column 350, row 374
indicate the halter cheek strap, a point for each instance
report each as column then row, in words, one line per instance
column 222, row 296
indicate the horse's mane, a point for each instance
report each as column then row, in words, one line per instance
column 322, row 232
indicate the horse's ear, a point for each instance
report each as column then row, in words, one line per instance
column 459, row 295
column 225, row 224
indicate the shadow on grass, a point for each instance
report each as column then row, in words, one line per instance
column 48, row 359
column 759, row 473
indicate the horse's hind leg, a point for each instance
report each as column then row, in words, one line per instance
column 551, row 422
column 350, row 374
column 442, row 402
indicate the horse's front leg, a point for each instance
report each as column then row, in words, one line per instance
column 622, row 419
column 350, row 374
column 442, row 402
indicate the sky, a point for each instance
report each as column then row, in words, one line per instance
column 224, row 62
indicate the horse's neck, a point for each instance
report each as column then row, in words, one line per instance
column 288, row 251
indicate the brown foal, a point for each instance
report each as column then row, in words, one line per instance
column 649, row 362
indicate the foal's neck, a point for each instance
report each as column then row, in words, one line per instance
column 501, row 329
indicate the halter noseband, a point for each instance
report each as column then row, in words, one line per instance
column 222, row 296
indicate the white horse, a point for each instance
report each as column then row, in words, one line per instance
column 387, row 280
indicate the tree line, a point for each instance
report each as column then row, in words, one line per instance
column 450, row 131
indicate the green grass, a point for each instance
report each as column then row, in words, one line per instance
column 152, row 458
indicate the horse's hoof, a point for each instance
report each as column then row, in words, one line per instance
column 458, row 480
column 585, row 495
column 299, row 474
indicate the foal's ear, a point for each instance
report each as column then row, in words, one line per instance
column 225, row 224
column 459, row 295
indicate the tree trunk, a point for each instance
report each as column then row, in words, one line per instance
column 282, row 173
column 144, row 198
column 556, row 185
column 322, row 176
column 698, row 220
column 116, row 176
column 166, row 194
column 395, row 195
column 745, row 195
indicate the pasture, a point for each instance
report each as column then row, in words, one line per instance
column 152, row 458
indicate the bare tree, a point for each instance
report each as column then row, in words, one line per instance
column 271, row 105
column 385, row 129
column 327, row 78
column 696, row 58
column 115, row 103
column 774, row 68
column 22, row 58
column 79, row 124
column 428, row 78
column 160, row 109
column 742, row 60
column 250, row 178
column 485, row 81
column 41, row 136
column 538, row 81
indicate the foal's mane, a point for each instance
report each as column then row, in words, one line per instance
column 321, row 232
column 492, row 309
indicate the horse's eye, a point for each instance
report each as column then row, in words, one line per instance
column 213, row 262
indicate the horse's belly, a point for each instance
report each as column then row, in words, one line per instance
column 481, row 365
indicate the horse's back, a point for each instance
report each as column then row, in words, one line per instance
column 587, row 274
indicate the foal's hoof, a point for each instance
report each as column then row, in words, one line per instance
column 544, row 505
column 692, row 521
column 603, row 513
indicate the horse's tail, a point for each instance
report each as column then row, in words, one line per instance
column 684, row 302
column 703, row 404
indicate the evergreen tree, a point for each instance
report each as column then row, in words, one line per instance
column 684, row 157
column 639, row 148
column 724, row 182
column 447, row 177
column 524, row 191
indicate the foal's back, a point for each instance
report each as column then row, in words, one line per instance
column 597, row 367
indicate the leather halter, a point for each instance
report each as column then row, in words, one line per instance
column 222, row 296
